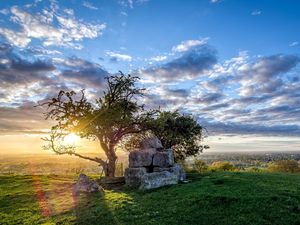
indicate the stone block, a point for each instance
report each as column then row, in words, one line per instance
column 133, row 176
column 141, row 158
column 178, row 171
column 163, row 159
column 157, row 179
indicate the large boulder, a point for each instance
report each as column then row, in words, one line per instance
column 152, row 142
column 133, row 176
column 143, row 158
column 84, row 184
column 157, row 179
column 163, row 158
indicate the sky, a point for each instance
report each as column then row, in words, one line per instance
column 233, row 65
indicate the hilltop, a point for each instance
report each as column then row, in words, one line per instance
column 211, row 198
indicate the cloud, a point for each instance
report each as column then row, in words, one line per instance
column 116, row 57
column 189, row 44
column 89, row 5
column 178, row 93
column 256, row 12
column 208, row 98
column 215, row 1
column 295, row 43
column 159, row 58
column 241, row 95
column 131, row 3
column 263, row 76
column 68, row 31
column 24, row 118
column 4, row 11
column 192, row 64
column 83, row 73
column 258, row 129
column 40, row 51
column 36, row 78
column 218, row 83
column 14, row 37
column 19, row 71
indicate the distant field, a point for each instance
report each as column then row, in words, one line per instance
column 50, row 164
column 65, row 165
column 213, row 198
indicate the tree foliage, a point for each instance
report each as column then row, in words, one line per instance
column 200, row 166
column 180, row 132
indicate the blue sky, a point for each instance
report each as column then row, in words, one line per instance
column 232, row 64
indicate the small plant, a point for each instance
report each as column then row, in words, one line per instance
column 200, row 166
column 222, row 166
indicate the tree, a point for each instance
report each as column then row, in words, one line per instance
column 200, row 165
column 113, row 116
column 180, row 132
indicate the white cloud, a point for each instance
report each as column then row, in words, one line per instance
column 295, row 43
column 67, row 32
column 43, row 51
column 119, row 57
column 4, row 11
column 4, row 61
column 256, row 12
column 216, row 1
column 188, row 44
column 131, row 3
column 124, row 13
column 159, row 58
column 69, row 11
column 17, row 38
column 89, row 5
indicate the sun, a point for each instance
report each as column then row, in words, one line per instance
column 71, row 139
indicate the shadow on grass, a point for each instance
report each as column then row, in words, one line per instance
column 93, row 209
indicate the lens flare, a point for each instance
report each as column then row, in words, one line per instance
column 71, row 139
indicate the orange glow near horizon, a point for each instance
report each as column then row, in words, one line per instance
column 19, row 144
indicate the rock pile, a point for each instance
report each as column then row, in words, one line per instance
column 152, row 166
column 84, row 184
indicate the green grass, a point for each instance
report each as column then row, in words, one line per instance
column 213, row 198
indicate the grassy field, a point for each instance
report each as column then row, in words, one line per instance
column 213, row 198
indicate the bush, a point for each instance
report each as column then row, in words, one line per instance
column 222, row 166
column 290, row 166
column 200, row 166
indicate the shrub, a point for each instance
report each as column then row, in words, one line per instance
column 200, row 166
column 222, row 166
column 290, row 166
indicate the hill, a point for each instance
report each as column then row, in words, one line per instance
column 212, row 198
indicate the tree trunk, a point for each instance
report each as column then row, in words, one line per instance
column 111, row 167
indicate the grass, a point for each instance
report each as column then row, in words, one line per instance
column 212, row 198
